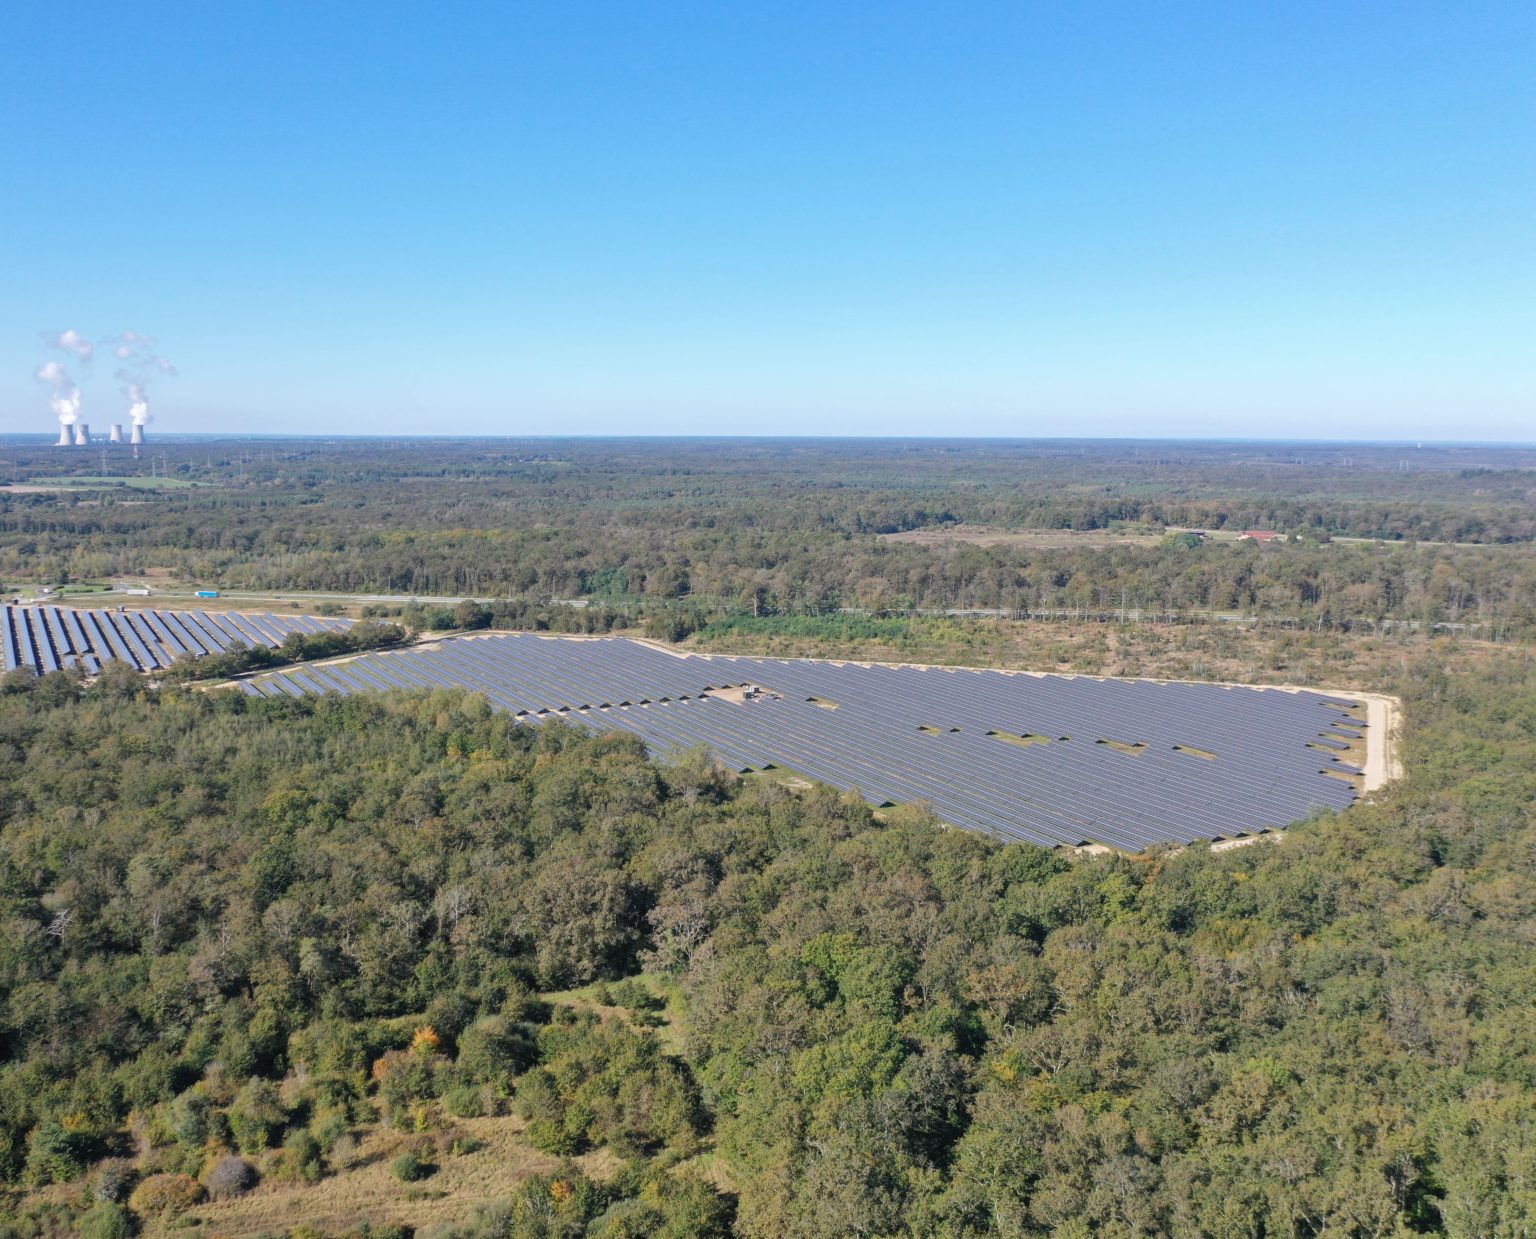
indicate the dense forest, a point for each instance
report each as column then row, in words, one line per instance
column 802, row 527
column 239, row 933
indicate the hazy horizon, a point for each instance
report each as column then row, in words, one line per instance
column 183, row 436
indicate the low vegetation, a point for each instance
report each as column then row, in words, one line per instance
column 295, row 647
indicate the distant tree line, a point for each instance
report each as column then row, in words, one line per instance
column 756, row 528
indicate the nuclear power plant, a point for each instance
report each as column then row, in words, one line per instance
column 140, row 364
column 78, row 434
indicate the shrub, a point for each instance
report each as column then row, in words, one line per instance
column 406, row 1077
column 165, row 1195
column 464, row 1102
column 328, row 1128
column 230, row 1176
column 256, row 1116
column 495, row 1050
column 21, row 680
column 521, row 1004
column 450, row 1013
column 344, row 1153
column 107, row 1220
column 114, row 1180
column 411, row 1167
column 632, row 994
column 53, row 1154
column 668, row 1207
column 301, row 1158
column 606, row 1082
column 194, row 1116
column 548, row 1136
column 538, row 1097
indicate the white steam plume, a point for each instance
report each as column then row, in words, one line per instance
column 64, row 399
column 71, row 342
column 138, row 405
column 140, row 364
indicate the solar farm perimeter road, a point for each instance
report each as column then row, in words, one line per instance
column 1047, row 759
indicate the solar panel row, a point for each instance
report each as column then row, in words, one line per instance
column 1048, row 759
column 51, row 638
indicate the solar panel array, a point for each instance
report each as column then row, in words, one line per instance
column 48, row 638
column 1052, row 760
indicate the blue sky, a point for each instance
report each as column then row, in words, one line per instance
column 1276, row 220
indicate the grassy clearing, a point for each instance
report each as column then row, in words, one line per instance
column 366, row 1191
column 713, row 1169
column 363, row 1189
column 665, row 1020
column 783, row 775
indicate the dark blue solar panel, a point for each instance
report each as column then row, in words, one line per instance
column 1204, row 761
column 50, row 638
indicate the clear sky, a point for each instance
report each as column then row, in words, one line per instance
column 1070, row 218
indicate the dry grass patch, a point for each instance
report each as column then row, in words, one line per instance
column 366, row 1191
column 1220, row 652
column 1203, row 754
column 1025, row 741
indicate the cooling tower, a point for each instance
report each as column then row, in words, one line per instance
column 115, row 435
column 65, row 438
column 82, row 435
column 136, row 435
